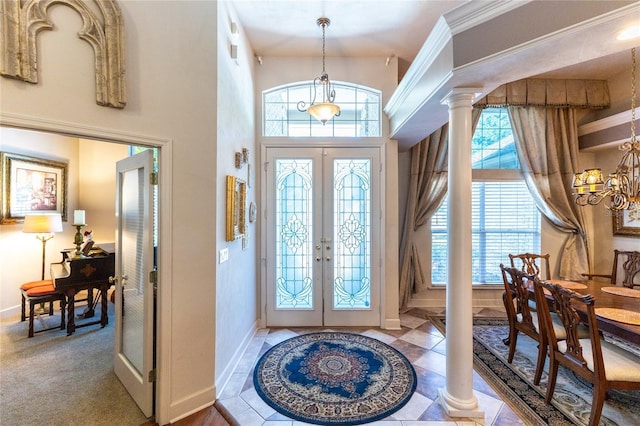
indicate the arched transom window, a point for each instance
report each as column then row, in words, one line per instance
column 359, row 116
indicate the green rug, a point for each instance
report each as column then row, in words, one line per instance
column 571, row 404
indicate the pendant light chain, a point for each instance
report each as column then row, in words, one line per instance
column 633, row 96
column 325, row 110
column 323, row 45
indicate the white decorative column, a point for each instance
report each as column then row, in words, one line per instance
column 458, row 399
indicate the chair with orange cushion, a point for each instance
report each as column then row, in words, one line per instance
column 41, row 292
column 26, row 286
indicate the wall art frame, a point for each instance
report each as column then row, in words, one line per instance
column 626, row 223
column 236, row 226
column 31, row 185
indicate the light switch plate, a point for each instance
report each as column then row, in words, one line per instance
column 223, row 255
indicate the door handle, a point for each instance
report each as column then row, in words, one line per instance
column 114, row 279
column 328, row 258
column 318, row 259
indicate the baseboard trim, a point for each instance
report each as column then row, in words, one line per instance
column 225, row 376
column 392, row 324
column 11, row 312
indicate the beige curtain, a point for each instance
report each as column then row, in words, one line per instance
column 547, row 146
column 427, row 189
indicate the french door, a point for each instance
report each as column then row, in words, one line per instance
column 133, row 351
column 323, row 236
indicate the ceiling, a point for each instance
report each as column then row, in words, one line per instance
column 585, row 49
column 369, row 28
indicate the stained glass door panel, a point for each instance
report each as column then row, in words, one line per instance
column 294, row 227
column 352, row 219
column 320, row 238
column 294, row 261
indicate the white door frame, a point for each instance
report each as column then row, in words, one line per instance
column 311, row 143
column 163, row 317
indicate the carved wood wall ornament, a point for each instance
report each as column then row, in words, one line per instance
column 22, row 20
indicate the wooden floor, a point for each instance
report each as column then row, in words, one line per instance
column 207, row 417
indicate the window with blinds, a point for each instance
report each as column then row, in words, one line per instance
column 504, row 218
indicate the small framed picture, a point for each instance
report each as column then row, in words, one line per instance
column 626, row 223
column 32, row 185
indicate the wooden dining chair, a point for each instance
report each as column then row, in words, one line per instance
column 628, row 262
column 522, row 319
column 599, row 362
column 532, row 264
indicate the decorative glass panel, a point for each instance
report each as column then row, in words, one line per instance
column 352, row 234
column 294, row 230
column 360, row 112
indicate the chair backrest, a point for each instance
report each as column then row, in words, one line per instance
column 533, row 264
column 516, row 287
column 562, row 301
column 626, row 268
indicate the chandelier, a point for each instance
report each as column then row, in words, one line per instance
column 623, row 185
column 325, row 110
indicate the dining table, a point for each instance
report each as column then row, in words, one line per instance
column 617, row 308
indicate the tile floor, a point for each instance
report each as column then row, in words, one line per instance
column 419, row 340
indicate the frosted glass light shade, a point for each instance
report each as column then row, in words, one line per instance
column 42, row 223
column 323, row 112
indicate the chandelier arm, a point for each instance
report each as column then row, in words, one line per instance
column 623, row 185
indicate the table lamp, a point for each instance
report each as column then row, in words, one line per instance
column 44, row 225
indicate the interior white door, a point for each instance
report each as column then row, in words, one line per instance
column 133, row 346
column 322, row 236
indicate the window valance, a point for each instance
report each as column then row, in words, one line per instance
column 592, row 94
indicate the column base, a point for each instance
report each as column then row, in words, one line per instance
column 457, row 408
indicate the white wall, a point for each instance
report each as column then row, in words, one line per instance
column 97, row 186
column 236, row 284
column 172, row 96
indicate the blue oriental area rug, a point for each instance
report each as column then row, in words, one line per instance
column 334, row 379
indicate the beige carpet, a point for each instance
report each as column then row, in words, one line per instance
column 55, row 379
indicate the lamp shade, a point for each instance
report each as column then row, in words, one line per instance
column 42, row 223
column 323, row 112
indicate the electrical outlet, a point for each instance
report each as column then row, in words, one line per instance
column 224, row 255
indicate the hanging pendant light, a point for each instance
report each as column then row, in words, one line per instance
column 325, row 110
column 623, row 185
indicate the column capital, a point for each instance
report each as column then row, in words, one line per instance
column 461, row 94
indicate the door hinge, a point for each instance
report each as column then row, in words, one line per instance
column 153, row 276
column 152, row 375
column 154, row 178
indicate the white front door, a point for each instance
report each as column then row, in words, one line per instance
column 133, row 351
column 323, row 237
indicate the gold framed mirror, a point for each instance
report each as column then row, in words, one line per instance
column 236, row 208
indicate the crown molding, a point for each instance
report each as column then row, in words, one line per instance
column 474, row 13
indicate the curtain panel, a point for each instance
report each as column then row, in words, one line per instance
column 546, row 142
column 427, row 189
